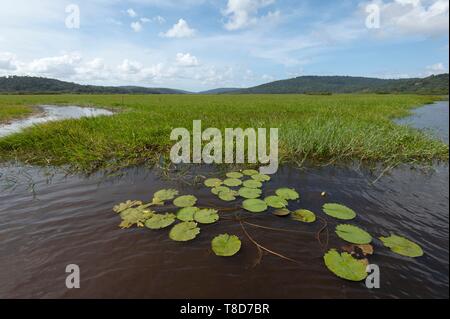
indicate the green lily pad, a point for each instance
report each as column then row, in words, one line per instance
column 276, row 202
column 232, row 182
column 402, row 246
column 353, row 234
column 165, row 194
column 281, row 212
column 159, row 221
column 345, row 266
column 261, row 177
column 184, row 231
column 250, row 172
column 134, row 216
column 287, row 193
column 186, row 214
column 213, row 182
column 339, row 211
column 217, row 190
column 124, row 206
column 228, row 196
column 304, row 215
column 249, row 192
column 226, row 245
column 206, row 216
column 251, row 183
column 234, row 175
column 185, row 201
column 254, row 205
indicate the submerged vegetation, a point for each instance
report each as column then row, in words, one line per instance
column 348, row 262
column 321, row 129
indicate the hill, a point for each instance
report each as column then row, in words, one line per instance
column 38, row 85
column 220, row 91
column 435, row 84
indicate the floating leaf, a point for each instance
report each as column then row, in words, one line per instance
column 304, row 215
column 186, row 214
column 234, row 175
column 402, row 246
column 159, row 221
column 254, row 205
column 345, row 266
column 261, row 177
column 281, row 212
column 251, row 183
column 228, row 196
column 250, row 172
column 124, row 206
column 213, row 182
column 339, row 211
column 133, row 216
column 249, row 192
column 353, row 234
column 287, row 193
column 276, row 202
column 185, row 201
column 232, row 182
column 165, row 194
column 226, row 245
column 359, row 251
column 217, row 190
column 206, row 216
column 184, row 231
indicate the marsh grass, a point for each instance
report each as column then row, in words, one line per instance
column 321, row 129
column 10, row 112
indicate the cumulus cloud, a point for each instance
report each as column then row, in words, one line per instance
column 180, row 30
column 437, row 68
column 131, row 13
column 136, row 26
column 7, row 61
column 58, row 66
column 130, row 67
column 186, row 60
column 244, row 13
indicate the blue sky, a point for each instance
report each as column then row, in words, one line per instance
column 203, row 44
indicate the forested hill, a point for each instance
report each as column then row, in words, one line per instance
column 34, row 85
column 435, row 84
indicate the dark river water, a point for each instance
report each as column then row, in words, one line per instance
column 48, row 222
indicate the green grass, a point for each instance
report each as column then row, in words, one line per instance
column 9, row 112
column 322, row 129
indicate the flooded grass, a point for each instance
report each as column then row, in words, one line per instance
column 11, row 112
column 322, row 129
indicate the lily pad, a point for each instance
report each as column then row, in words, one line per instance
column 287, row 193
column 226, row 245
column 249, row 192
column 276, row 202
column 254, row 205
column 251, row 183
column 250, row 172
column 232, row 182
column 402, row 246
column 184, row 231
column 281, row 212
column 159, row 221
column 234, row 175
column 339, row 211
column 218, row 189
column 353, row 234
column 165, row 194
column 213, row 182
column 133, row 216
column 228, row 196
column 185, row 201
column 206, row 216
column 345, row 266
column 124, row 206
column 261, row 177
column 186, row 214
column 304, row 215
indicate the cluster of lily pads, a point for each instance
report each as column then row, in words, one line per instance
column 349, row 262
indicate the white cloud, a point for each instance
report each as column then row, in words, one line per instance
column 180, row 30
column 130, row 67
column 7, row 61
column 58, row 66
column 136, row 26
column 186, row 60
column 159, row 19
column 244, row 13
column 131, row 13
column 437, row 68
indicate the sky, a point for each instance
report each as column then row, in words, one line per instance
column 197, row 45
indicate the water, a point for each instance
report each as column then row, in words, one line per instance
column 51, row 113
column 69, row 220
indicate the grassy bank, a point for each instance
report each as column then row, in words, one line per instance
column 318, row 128
column 9, row 112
